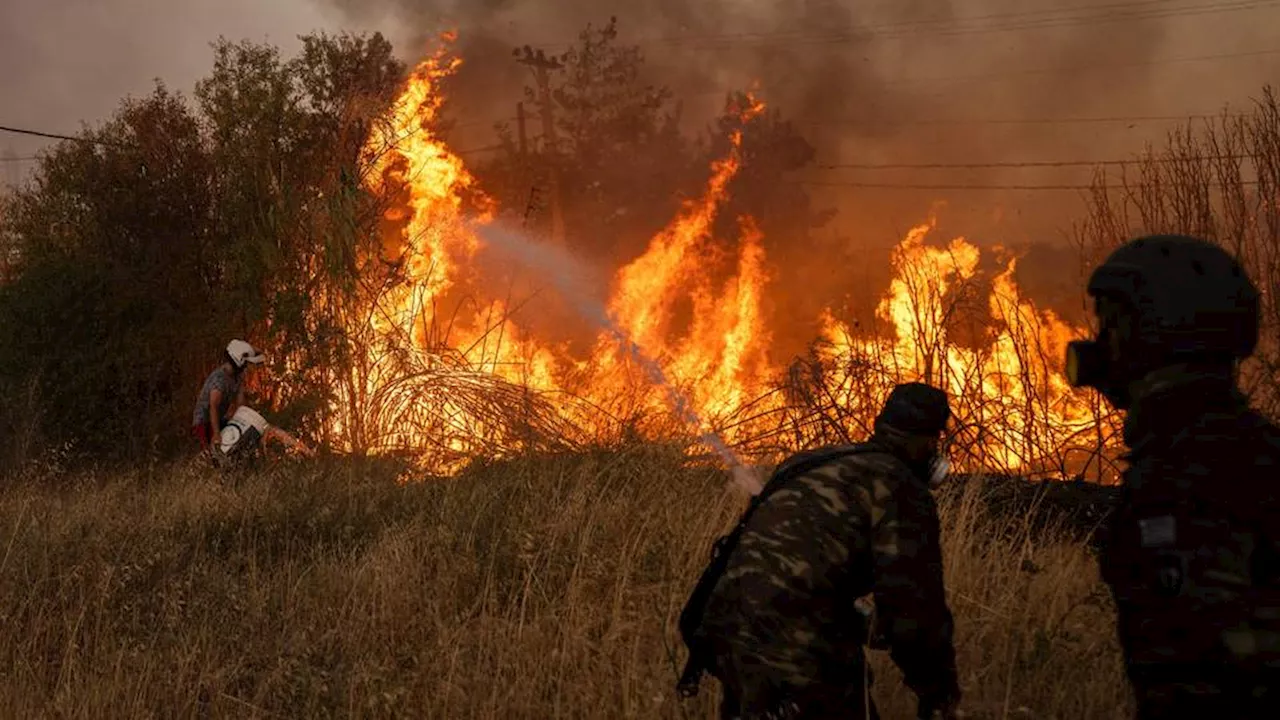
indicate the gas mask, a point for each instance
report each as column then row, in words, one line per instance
column 1091, row 363
column 940, row 462
column 1086, row 363
column 938, row 470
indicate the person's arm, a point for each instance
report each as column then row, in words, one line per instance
column 289, row 441
column 215, row 417
column 238, row 402
column 909, row 594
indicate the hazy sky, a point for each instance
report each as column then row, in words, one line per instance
column 890, row 96
column 72, row 61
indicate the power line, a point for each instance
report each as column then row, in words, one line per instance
column 4, row 158
column 1102, row 66
column 1023, row 164
column 937, row 188
column 880, row 34
column 56, row 136
column 1027, row 20
column 965, row 186
column 801, row 34
column 1133, row 119
column 1064, row 69
column 1037, row 121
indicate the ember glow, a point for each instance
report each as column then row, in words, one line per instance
column 444, row 385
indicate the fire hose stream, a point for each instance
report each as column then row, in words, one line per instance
column 563, row 270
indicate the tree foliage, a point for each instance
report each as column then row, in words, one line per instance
column 140, row 249
column 618, row 154
column 243, row 211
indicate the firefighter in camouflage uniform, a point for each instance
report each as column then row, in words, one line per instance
column 781, row 625
column 1191, row 552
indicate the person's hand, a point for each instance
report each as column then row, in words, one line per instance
column 299, row 447
column 218, row 457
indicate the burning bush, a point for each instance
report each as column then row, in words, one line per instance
column 694, row 302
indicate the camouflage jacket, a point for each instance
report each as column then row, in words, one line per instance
column 1191, row 555
column 783, row 620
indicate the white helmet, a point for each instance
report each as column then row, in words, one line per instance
column 242, row 352
column 246, row 422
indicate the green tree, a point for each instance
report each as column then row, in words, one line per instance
column 111, row 240
column 299, row 227
column 141, row 248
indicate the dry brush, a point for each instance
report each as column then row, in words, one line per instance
column 545, row 586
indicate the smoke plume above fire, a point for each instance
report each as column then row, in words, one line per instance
column 894, row 82
column 861, row 78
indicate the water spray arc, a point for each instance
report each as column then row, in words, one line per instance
column 558, row 266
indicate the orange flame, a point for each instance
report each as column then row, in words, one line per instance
column 647, row 289
column 1022, row 404
column 1010, row 390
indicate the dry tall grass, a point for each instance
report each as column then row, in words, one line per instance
column 535, row 588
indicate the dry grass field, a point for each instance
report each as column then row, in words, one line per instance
column 537, row 588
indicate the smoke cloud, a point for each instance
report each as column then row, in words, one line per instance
column 898, row 82
column 865, row 83
column 869, row 83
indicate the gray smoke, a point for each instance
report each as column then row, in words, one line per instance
column 866, row 83
column 847, row 70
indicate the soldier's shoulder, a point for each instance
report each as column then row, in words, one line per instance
column 824, row 460
column 845, row 469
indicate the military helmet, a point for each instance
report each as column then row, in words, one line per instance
column 1192, row 299
column 916, row 409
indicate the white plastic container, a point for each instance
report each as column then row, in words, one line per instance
column 245, row 429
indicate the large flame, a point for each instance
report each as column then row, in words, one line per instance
column 726, row 332
column 1008, row 390
column 1010, row 393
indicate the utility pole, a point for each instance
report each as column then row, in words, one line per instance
column 524, row 139
column 541, row 65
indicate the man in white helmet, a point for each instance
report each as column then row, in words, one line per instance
column 223, row 392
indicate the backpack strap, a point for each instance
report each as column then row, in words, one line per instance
column 700, row 656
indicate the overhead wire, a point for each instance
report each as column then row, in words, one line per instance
column 1016, row 21
column 1034, row 19
column 56, row 136
column 1133, row 119
column 967, row 186
column 879, row 35
column 1040, row 121
column 1022, row 163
